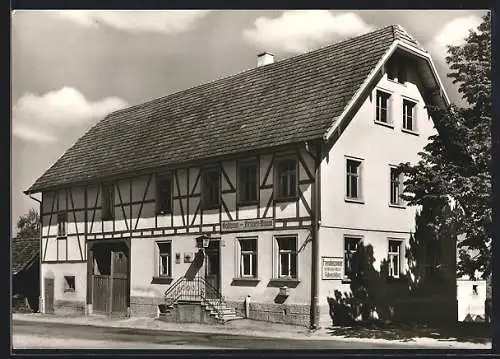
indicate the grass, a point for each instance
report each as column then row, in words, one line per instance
column 462, row 332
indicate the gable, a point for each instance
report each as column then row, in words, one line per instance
column 290, row 101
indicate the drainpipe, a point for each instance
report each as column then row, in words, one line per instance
column 40, row 297
column 316, row 217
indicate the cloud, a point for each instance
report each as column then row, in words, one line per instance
column 28, row 133
column 298, row 31
column 159, row 21
column 452, row 33
column 38, row 117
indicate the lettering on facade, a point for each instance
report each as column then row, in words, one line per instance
column 247, row 225
column 332, row 267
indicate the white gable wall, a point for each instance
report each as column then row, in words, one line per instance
column 379, row 147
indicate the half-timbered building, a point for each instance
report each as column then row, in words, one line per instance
column 253, row 188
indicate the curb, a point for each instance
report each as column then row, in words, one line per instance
column 430, row 343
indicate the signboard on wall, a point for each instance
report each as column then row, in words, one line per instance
column 247, row 225
column 332, row 267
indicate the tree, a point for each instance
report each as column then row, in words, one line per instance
column 28, row 225
column 455, row 167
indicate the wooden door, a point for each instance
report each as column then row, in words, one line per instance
column 119, row 281
column 110, row 282
column 100, row 293
column 49, row 295
column 212, row 270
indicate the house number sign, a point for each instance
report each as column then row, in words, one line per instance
column 247, row 225
column 332, row 267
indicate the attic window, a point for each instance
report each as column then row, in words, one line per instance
column 69, row 283
column 396, row 71
column 382, row 107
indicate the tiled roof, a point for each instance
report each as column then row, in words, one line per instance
column 289, row 101
column 23, row 251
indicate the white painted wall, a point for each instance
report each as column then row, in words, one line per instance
column 468, row 301
column 379, row 147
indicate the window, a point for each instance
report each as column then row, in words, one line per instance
column 382, row 107
column 211, row 189
column 69, row 283
column 108, row 201
column 164, row 195
column 247, row 182
column 248, row 257
column 286, row 179
column 394, row 258
column 353, row 187
column 287, row 257
column 61, row 224
column 396, row 187
column 350, row 247
column 409, row 115
column 165, row 256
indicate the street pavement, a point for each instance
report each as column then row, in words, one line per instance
column 41, row 335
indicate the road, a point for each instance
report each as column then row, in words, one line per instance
column 39, row 335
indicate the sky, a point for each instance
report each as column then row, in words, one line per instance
column 72, row 68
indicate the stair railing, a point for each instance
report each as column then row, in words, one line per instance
column 193, row 290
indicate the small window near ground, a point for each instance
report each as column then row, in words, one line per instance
column 69, row 283
column 164, row 195
column 165, row 259
column 287, row 257
column 409, row 115
column 108, row 201
column 382, row 107
column 353, row 186
column 248, row 257
column 396, row 187
column 350, row 248
column 394, row 258
column 61, row 224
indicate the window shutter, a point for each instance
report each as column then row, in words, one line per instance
column 415, row 117
column 274, row 259
column 236, row 258
column 156, row 259
column 390, row 110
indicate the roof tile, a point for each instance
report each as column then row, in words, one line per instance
column 288, row 101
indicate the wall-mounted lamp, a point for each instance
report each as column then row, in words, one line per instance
column 203, row 241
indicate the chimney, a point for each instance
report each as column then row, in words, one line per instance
column 264, row 58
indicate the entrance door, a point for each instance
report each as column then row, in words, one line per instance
column 212, row 270
column 119, row 281
column 110, row 278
